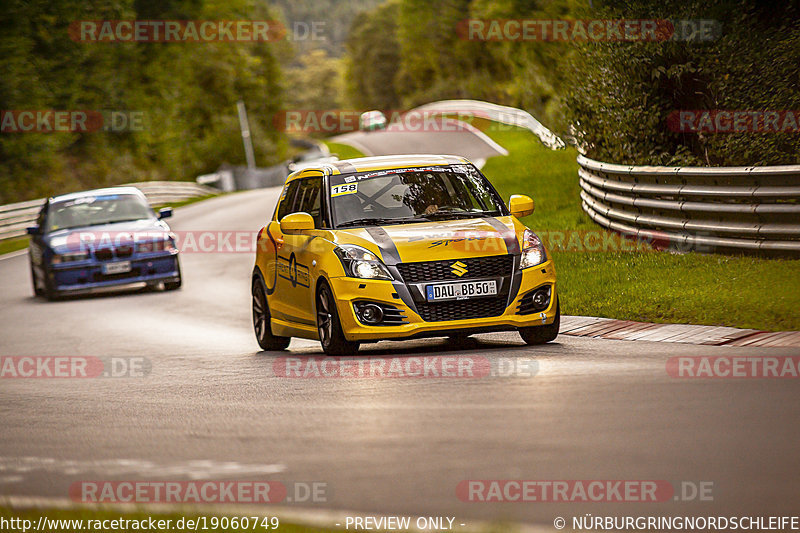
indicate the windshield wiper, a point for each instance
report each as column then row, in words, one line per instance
column 374, row 221
column 117, row 221
column 73, row 227
column 460, row 214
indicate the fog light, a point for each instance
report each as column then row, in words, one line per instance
column 540, row 299
column 371, row 314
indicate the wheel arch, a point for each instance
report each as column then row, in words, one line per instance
column 257, row 277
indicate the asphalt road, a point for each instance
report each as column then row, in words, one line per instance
column 442, row 136
column 212, row 406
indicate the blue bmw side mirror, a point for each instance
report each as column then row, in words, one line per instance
column 164, row 213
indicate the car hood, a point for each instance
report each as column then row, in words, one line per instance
column 445, row 240
column 108, row 234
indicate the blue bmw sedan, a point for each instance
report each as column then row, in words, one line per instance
column 100, row 238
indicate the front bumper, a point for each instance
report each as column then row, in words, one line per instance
column 87, row 275
column 350, row 290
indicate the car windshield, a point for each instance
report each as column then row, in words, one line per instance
column 412, row 195
column 96, row 210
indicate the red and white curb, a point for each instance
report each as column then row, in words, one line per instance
column 609, row 328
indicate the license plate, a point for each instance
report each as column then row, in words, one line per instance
column 461, row 291
column 120, row 267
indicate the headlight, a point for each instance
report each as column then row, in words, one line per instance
column 166, row 245
column 69, row 257
column 359, row 262
column 532, row 250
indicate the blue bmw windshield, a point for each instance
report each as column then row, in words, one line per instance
column 96, row 210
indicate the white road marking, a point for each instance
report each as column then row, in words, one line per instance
column 13, row 254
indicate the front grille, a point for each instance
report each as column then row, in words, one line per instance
column 104, row 254
column 124, row 251
column 461, row 310
column 476, row 267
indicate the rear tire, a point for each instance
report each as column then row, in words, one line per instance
column 542, row 334
column 261, row 322
column 329, row 327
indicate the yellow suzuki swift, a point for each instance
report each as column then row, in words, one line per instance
column 399, row 247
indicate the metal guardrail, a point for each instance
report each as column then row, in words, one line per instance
column 497, row 113
column 14, row 218
column 742, row 208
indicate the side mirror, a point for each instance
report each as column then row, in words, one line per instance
column 520, row 205
column 33, row 230
column 164, row 213
column 295, row 222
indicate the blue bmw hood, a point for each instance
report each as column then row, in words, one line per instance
column 105, row 234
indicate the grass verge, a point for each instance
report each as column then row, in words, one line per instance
column 343, row 151
column 719, row 290
column 12, row 245
column 188, row 201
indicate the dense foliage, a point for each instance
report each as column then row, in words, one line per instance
column 410, row 52
column 186, row 91
column 621, row 95
column 332, row 19
column 615, row 98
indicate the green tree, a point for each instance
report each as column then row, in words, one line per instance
column 373, row 59
column 186, row 91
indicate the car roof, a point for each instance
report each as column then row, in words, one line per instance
column 97, row 192
column 385, row 162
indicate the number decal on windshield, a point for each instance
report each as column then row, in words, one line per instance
column 347, row 188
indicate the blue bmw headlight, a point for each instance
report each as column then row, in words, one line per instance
column 69, row 257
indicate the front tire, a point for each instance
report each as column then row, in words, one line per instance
column 329, row 327
column 542, row 334
column 174, row 285
column 261, row 322
column 36, row 290
column 50, row 292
